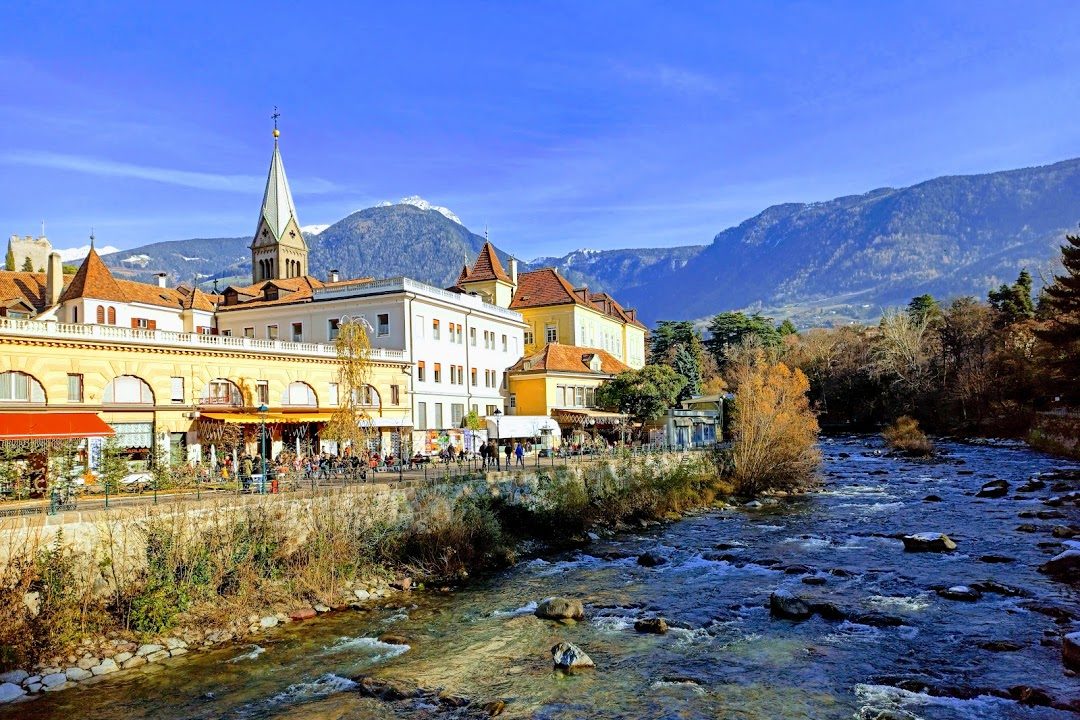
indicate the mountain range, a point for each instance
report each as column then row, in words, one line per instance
column 822, row 262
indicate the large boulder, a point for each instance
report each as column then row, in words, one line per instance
column 10, row 691
column 785, row 604
column 1070, row 651
column 994, row 489
column 557, row 608
column 1065, row 566
column 928, row 542
column 568, row 656
column 649, row 559
column 656, row 626
column 960, row 592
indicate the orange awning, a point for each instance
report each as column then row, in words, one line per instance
column 52, row 426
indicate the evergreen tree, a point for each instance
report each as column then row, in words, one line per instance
column 667, row 335
column 9, row 263
column 27, row 265
column 923, row 309
column 687, row 365
column 1013, row 302
column 1062, row 301
column 787, row 328
column 730, row 329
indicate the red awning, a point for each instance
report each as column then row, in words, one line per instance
column 52, row 426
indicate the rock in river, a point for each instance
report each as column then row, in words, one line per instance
column 928, row 542
column 568, row 656
column 1070, row 651
column 785, row 604
column 994, row 489
column 960, row 592
column 656, row 626
column 1064, row 566
column 557, row 608
column 649, row 559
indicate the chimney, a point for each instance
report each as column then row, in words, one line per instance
column 54, row 279
column 633, row 314
column 513, row 271
column 332, row 277
column 161, row 278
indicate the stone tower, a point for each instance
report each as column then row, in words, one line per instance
column 278, row 250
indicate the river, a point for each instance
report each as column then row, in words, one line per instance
column 724, row 657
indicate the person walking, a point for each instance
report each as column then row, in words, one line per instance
column 509, row 450
column 484, row 455
column 519, row 455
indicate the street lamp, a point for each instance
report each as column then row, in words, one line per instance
column 498, row 453
column 262, row 445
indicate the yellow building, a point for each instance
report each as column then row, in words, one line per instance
column 555, row 311
column 561, row 381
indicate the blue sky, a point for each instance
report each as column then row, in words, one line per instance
column 559, row 124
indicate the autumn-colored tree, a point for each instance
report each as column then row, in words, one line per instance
column 349, row 424
column 904, row 435
column 774, row 430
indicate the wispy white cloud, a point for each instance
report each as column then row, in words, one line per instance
column 671, row 77
column 186, row 178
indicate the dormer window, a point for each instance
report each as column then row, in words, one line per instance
column 232, row 297
column 593, row 361
column 270, row 292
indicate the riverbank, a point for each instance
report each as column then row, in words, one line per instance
column 148, row 586
column 888, row 634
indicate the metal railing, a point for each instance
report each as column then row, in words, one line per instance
column 170, row 338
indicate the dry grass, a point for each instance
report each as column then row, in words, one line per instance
column 905, row 436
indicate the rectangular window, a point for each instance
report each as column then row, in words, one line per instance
column 476, row 408
column 298, row 332
column 421, row 416
column 437, row 419
column 505, row 346
column 490, row 409
column 227, row 333
column 513, row 401
column 75, row 388
column 438, row 372
column 461, row 374
column 473, row 376
column 332, row 329
column 384, row 324
column 529, row 340
column 579, row 397
column 249, row 332
column 332, row 394
column 421, row 371
column 177, row 386
column 590, row 397
column 472, row 336
column 420, row 326
column 271, row 332
column 395, row 394
column 204, row 330
column 262, row 391
column 460, row 335
column 551, row 333
column 435, row 330
column 143, row 323
column 457, row 414
column 560, row 396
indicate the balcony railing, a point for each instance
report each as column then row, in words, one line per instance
column 404, row 284
column 168, row 338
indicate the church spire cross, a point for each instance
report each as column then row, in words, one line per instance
column 275, row 115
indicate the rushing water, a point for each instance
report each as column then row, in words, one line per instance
column 725, row 657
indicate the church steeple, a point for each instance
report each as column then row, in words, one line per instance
column 278, row 249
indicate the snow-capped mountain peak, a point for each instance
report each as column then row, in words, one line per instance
column 313, row 229
column 419, row 202
column 78, row 253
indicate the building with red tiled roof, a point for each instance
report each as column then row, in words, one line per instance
column 561, row 381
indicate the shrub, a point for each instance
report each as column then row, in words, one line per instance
column 905, row 436
column 774, row 431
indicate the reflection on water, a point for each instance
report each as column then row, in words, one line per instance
column 724, row 656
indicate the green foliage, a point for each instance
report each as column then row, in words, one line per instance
column 689, row 367
column 9, row 261
column 27, row 265
column 923, row 309
column 643, row 394
column 669, row 335
column 731, row 329
column 112, row 467
column 1013, row 302
column 787, row 328
column 472, row 421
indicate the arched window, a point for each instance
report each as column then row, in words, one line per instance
column 299, row 393
column 222, row 392
column 368, row 397
column 112, row 315
column 100, row 314
column 19, row 387
column 128, row 390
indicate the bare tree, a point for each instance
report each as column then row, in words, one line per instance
column 350, row 423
